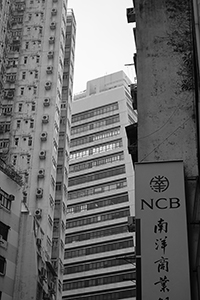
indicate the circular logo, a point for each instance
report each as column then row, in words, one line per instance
column 159, row 184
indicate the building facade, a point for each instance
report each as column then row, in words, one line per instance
column 167, row 42
column 10, row 207
column 99, row 251
column 37, row 55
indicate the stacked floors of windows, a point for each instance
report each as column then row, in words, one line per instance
column 99, row 261
column 97, row 241
column 97, row 248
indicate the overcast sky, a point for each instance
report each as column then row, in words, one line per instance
column 104, row 40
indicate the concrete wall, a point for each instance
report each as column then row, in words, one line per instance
column 167, row 111
column 166, row 108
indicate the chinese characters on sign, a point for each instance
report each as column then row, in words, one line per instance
column 161, row 230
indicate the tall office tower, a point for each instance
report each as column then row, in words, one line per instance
column 98, row 247
column 34, row 56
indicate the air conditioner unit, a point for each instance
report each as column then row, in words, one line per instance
column 53, row 11
column 39, row 193
column 51, row 39
column 11, row 197
column 41, row 173
column 3, row 243
column 2, row 151
column 48, row 85
column 49, row 70
column 45, row 119
column 43, row 136
column 46, row 102
column 50, row 54
column 42, row 154
column 38, row 213
column 9, row 95
column 16, row 39
column 53, row 25
column 39, row 242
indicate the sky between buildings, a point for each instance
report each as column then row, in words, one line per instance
column 104, row 40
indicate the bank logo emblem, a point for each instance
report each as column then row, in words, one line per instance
column 159, row 184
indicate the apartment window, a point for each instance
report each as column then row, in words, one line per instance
column 4, row 143
column 99, row 248
column 26, row 45
column 37, row 59
column 34, row 90
column 95, row 124
column 31, row 123
column 18, row 123
column 97, row 203
column 22, row 91
column 2, row 265
column 19, row 107
column 33, row 106
column 95, row 112
column 96, row 281
column 97, row 189
column 7, row 109
column 95, row 137
column 59, row 169
column 4, row 229
column 95, row 264
column 96, row 162
column 56, row 225
column 97, row 175
column 4, row 199
column 94, row 234
column 111, row 215
column 60, row 152
column 122, row 293
column 14, row 160
column 25, row 59
column 30, row 141
column 28, row 159
column 96, row 149
column 4, row 127
column 36, row 74
column 58, row 186
column 23, row 75
column 16, row 141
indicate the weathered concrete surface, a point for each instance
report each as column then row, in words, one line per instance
column 166, row 123
column 167, row 120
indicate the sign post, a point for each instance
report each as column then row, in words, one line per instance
column 161, row 232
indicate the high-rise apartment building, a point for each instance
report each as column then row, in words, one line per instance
column 99, row 250
column 10, row 207
column 36, row 61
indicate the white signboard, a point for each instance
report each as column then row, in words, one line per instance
column 162, row 234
